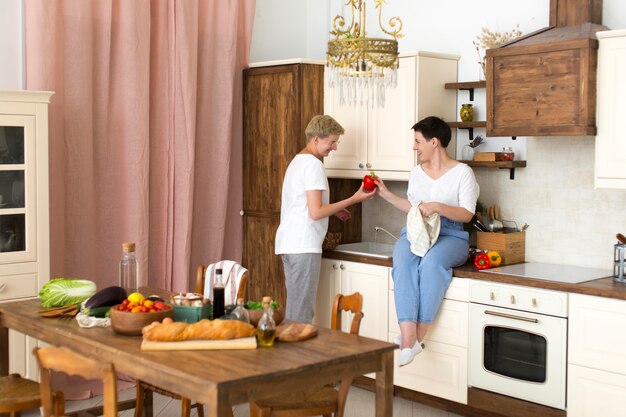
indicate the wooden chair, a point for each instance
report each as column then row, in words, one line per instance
column 324, row 400
column 60, row 359
column 145, row 390
column 18, row 394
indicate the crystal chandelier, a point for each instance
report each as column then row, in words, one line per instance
column 359, row 66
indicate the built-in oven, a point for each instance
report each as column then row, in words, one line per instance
column 518, row 342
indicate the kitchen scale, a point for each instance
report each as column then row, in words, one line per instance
column 552, row 272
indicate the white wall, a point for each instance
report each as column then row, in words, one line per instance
column 11, row 45
column 570, row 221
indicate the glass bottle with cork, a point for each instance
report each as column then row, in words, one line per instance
column 218, row 294
column 129, row 269
column 266, row 329
column 240, row 313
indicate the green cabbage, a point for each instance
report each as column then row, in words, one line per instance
column 66, row 291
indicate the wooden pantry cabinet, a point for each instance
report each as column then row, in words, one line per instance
column 380, row 138
column 610, row 145
column 280, row 98
column 24, row 219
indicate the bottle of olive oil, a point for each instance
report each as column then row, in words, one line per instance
column 266, row 329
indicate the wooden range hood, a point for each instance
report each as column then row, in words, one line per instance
column 544, row 84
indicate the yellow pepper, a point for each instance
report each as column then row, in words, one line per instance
column 494, row 257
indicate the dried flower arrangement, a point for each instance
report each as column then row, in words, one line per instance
column 488, row 39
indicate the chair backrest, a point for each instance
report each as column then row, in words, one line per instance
column 240, row 282
column 52, row 358
column 352, row 303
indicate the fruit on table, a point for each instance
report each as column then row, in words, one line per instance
column 368, row 181
column 481, row 261
column 494, row 258
column 137, row 303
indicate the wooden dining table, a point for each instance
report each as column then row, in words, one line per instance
column 216, row 378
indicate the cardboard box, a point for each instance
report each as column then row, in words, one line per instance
column 488, row 156
column 511, row 246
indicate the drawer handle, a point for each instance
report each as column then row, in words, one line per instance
column 334, row 266
column 342, row 266
column 512, row 299
column 368, row 165
column 511, row 316
column 534, row 301
column 492, row 295
column 3, row 287
column 361, row 165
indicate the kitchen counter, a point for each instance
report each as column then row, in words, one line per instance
column 604, row 287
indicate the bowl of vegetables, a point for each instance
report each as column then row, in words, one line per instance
column 136, row 312
column 255, row 311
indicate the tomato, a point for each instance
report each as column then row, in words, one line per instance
column 368, row 182
column 482, row 261
column 494, row 257
column 160, row 306
column 136, row 310
column 125, row 301
column 148, row 303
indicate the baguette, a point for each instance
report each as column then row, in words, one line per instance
column 204, row 329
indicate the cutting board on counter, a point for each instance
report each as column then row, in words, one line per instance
column 231, row 344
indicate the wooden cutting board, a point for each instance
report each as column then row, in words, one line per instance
column 231, row 344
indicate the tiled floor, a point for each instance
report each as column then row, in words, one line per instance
column 360, row 404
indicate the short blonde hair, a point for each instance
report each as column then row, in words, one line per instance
column 323, row 126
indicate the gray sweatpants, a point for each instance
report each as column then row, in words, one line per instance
column 302, row 274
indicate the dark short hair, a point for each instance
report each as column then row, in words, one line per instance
column 434, row 127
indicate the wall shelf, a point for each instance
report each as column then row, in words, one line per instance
column 510, row 165
column 467, row 86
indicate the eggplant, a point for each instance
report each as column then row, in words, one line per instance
column 106, row 297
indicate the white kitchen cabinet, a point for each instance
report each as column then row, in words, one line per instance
column 441, row 369
column 24, row 223
column 346, row 278
column 596, row 382
column 593, row 393
column 611, row 83
column 381, row 139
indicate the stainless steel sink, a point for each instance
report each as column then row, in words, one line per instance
column 377, row 250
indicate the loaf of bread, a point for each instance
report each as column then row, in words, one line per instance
column 295, row 332
column 170, row 331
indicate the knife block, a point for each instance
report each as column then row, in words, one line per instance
column 511, row 246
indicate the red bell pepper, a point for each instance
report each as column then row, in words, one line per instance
column 481, row 261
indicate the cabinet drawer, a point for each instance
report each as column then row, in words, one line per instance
column 440, row 370
column 450, row 325
column 458, row 289
column 592, row 393
column 542, row 301
column 18, row 286
column 597, row 333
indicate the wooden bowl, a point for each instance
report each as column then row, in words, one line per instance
column 255, row 316
column 130, row 324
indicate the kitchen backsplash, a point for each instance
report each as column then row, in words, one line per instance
column 571, row 223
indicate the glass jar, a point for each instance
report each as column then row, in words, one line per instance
column 468, row 153
column 466, row 112
column 508, row 154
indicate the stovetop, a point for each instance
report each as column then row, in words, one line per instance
column 552, row 272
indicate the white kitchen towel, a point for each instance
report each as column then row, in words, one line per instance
column 232, row 273
column 422, row 231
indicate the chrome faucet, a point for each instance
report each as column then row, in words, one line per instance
column 378, row 229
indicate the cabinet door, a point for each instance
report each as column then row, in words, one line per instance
column 326, row 290
column 18, row 191
column 592, row 393
column 610, row 144
column 351, row 153
column 371, row 281
column 389, row 137
column 596, row 333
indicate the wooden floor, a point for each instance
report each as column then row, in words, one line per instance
column 360, row 404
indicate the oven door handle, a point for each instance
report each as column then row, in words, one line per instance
column 511, row 316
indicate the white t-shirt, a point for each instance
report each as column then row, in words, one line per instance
column 298, row 232
column 457, row 187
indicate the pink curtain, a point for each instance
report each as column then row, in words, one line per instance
column 145, row 132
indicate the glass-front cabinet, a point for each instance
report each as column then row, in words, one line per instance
column 24, row 209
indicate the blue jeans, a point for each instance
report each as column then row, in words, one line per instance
column 421, row 282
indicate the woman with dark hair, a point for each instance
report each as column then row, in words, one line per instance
column 439, row 188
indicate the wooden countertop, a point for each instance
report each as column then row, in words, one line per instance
column 604, row 287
